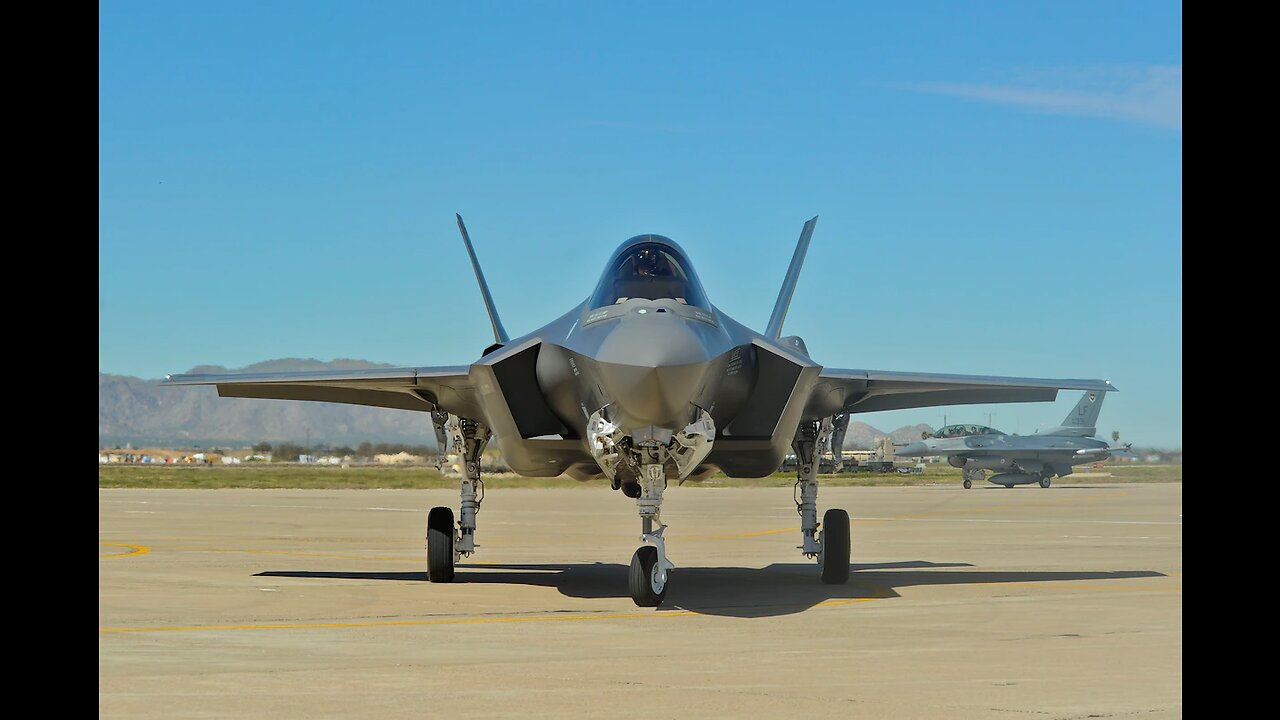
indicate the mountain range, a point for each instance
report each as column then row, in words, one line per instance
column 138, row 411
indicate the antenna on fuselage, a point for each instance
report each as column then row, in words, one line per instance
column 774, row 329
column 499, row 332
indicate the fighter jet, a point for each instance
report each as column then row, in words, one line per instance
column 644, row 383
column 1023, row 459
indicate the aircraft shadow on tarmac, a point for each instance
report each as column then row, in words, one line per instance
column 779, row 589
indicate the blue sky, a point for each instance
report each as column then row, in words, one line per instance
column 999, row 184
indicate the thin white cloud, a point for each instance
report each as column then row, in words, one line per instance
column 1146, row 95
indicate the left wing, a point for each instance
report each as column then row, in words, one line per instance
column 423, row 389
column 857, row 391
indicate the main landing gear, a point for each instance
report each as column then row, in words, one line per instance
column 830, row 547
column 445, row 542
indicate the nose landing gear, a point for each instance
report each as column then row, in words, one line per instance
column 638, row 464
column 971, row 474
column 650, row 567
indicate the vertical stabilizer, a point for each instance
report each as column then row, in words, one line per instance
column 499, row 332
column 774, row 329
column 1083, row 418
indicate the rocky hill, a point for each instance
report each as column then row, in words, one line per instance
column 861, row 436
column 133, row 410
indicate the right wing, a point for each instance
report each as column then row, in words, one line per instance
column 859, row 391
column 423, row 389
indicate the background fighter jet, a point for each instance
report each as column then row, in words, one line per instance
column 644, row 382
column 1024, row 459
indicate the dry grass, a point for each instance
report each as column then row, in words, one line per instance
column 336, row 478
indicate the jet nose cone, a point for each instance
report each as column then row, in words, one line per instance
column 660, row 396
column 652, row 370
column 915, row 449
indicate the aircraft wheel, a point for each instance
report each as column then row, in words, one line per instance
column 440, row 553
column 968, row 483
column 835, row 547
column 646, row 590
column 1044, row 481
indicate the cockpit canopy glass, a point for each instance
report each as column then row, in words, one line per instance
column 955, row 431
column 649, row 268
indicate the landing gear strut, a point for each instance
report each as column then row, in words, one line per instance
column 830, row 547
column 970, row 475
column 839, row 426
column 650, row 567
column 445, row 543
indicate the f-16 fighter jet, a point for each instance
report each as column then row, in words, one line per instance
column 1021, row 459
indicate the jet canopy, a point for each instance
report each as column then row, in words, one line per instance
column 955, row 431
column 650, row 267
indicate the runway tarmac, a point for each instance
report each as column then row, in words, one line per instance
column 1050, row 603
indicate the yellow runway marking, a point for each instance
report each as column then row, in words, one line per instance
column 442, row 621
column 133, row 550
column 850, row 601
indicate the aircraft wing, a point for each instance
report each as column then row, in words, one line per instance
column 423, row 389
column 859, row 391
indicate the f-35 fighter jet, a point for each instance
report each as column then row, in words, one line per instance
column 643, row 383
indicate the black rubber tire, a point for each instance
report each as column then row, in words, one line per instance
column 968, row 483
column 1045, row 481
column 835, row 547
column 639, row 578
column 440, row 545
